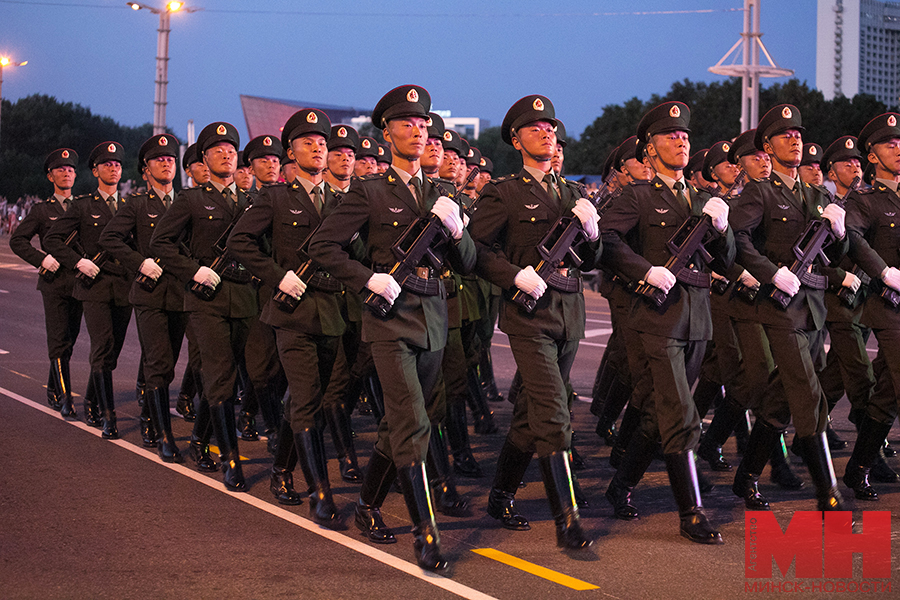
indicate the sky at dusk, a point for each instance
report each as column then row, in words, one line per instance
column 475, row 58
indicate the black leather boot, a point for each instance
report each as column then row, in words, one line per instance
column 481, row 413
column 247, row 420
column 616, row 399
column 821, row 470
column 158, row 400
column 311, row 452
column 91, row 406
column 63, row 384
column 834, row 440
column 683, row 478
column 282, row 480
column 339, row 423
column 511, row 466
column 52, row 400
column 866, row 452
column 200, row 436
column 637, row 459
column 427, row 539
column 226, row 436
column 763, row 439
column 742, row 433
column 380, row 474
column 374, row 396
column 782, row 475
column 464, row 463
column 184, row 406
column 557, row 478
column 882, row 472
column 486, row 375
column 727, row 417
column 149, row 432
column 575, row 459
column 631, row 421
column 103, row 386
column 271, row 409
column 446, row 499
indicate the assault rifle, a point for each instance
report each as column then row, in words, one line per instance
column 99, row 259
column 225, row 267
column 553, row 249
column 48, row 275
column 306, row 272
column 809, row 246
column 846, row 295
column 470, row 209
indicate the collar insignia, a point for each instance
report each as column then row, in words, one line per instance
column 391, row 179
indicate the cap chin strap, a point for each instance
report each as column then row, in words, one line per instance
column 884, row 166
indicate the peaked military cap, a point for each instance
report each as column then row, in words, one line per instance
column 845, row 147
column 435, row 125
column 717, row 154
column 384, row 154
column 343, row 136
column 486, row 165
column 368, row 146
column 215, row 133
column 163, row 144
column 609, row 164
column 303, row 122
column 668, row 116
column 623, row 152
column 812, row 154
column 561, row 134
column 464, row 143
column 105, row 152
column 262, row 145
column 473, row 158
column 695, row 163
column 742, row 145
column 63, row 157
column 880, row 129
column 779, row 118
column 452, row 141
column 190, row 157
column 400, row 102
column 527, row 110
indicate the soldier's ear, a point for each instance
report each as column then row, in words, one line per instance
column 650, row 150
column 516, row 144
column 767, row 147
column 873, row 158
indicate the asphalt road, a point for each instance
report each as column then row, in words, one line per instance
column 81, row 517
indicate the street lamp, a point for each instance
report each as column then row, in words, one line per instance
column 6, row 62
column 162, row 58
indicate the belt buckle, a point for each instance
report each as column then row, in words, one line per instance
column 423, row 272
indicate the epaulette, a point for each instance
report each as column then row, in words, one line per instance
column 870, row 190
column 82, row 196
column 636, row 182
column 510, row 177
column 373, row 176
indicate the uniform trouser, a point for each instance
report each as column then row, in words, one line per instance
column 757, row 364
column 342, row 379
column 883, row 405
column 453, row 374
column 261, row 356
column 308, row 361
column 540, row 420
column 484, row 327
column 62, row 317
column 847, row 365
column 668, row 411
column 221, row 341
column 161, row 333
column 107, row 325
column 408, row 375
column 795, row 390
column 722, row 362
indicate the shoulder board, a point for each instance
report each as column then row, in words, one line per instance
column 510, row 177
column 867, row 191
column 83, row 196
column 637, row 182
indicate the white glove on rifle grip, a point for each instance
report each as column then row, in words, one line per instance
column 660, row 277
column 150, row 269
column 530, row 282
column 448, row 212
column 587, row 214
column 835, row 214
column 292, row 285
column 50, row 263
column 717, row 210
column 891, row 278
column 88, row 267
column 851, row 281
column 748, row 279
column 786, row 281
column 385, row 286
column 207, row 277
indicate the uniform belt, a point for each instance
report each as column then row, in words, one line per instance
column 566, row 280
column 422, row 281
column 324, row 282
column 236, row 273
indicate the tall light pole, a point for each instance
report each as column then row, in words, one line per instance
column 5, row 62
column 162, row 58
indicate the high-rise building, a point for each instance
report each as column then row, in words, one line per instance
column 858, row 49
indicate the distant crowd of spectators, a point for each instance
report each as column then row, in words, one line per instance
column 12, row 213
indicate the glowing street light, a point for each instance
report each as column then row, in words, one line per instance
column 162, row 58
column 6, row 62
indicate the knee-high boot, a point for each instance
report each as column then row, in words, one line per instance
column 103, row 386
column 631, row 422
column 63, row 384
column 511, row 466
column 380, row 475
column 226, row 435
column 52, row 400
column 339, row 422
column 821, row 470
column 763, row 439
column 375, row 395
column 311, row 452
column 149, row 431
column 727, row 417
column 556, row 474
column 486, row 375
column 427, row 539
column 464, row 463
column 200, row 436
column 158, row 400
column 683, row 478
column 481, row 413
column 782, row 475
column 282, row 481
column 447, row 500
column 866, row 452
column 638, row 457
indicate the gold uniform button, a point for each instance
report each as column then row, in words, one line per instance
column 784, row 218
column 152, row 224
column 295, row 223
column 395, row 223
column 95, row 224
column 532, row 219
column 210, row 217
column 892, row 224
column 663, row 224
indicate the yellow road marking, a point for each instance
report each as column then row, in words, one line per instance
column 524, row 565
column 216, row 450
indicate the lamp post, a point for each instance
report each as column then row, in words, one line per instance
column 162, row 58
column 6, row 62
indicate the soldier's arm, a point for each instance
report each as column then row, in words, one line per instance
column 329, row 247
column 165, row 241
column 616, row 225
column 55, row 240
column 745, row 218
column 859, row 223
column 488, row 230
column 20, row 241
column 119, row 231
column 246, row 239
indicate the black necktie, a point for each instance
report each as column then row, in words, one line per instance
column 167, row 200
column 317, row 199
column 111, row 202
column 65, row 203
column 551, row 186
column 679, row 186
column 417, row 190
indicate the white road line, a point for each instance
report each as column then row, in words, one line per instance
column 604, row 321
column 4, row 352
column 338, row 538
column 4, row 291
column 595, row 332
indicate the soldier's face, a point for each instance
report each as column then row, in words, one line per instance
column 482, row 180
column 63, row 178
column 199, row 172
column 843, row 171
column 290, row 170
column 161, row 169
column 243, row 178
column 434, row 154
column 672, row 148
column 109, row 172
column 450, row 165
column 407, row 137
column 341, row 162
column 787, row 147
column 637, row 169
column 886, row 155
column 310, row 152
column 811, row 174
column 757, row 165
column 556, row 163
column 365, row 166
column 382, row 167
column 537, row 139
column 221, row 160
column 265, row 168
column 725, row 173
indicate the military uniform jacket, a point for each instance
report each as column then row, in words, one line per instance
column 88, row 215
column 873, row 223
column 286, row 215
column 135, row 222
column 767, row 222
column 38, row 222
column 635, row 232
column 379, row 209
column 514, row 214
column 201, row 215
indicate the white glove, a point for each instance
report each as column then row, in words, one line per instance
column 292, row 285
column 88, row 267
column 151, row 269
column 587, row 214
column 891, row 277
column 851, row 281
column 466, row 219
column 835, row 214
column 786, row 281
column 717, row 210
column 530, row 282
column 448, row 212
column 385, row 286
column 718, row 277
column 207, row 277
column 50, row 263
column 748, row 279
column 660, row 277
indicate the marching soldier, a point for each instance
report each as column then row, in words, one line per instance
column 62, row 311
column 157, row 295
column 755, row 163
column 193, row 164
column 407, row 343
column 343, row 142
column 810, row 169
column 102, row 286
column 383, row 159
column 513, row 216
column 222, row 304
column 366, row 159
